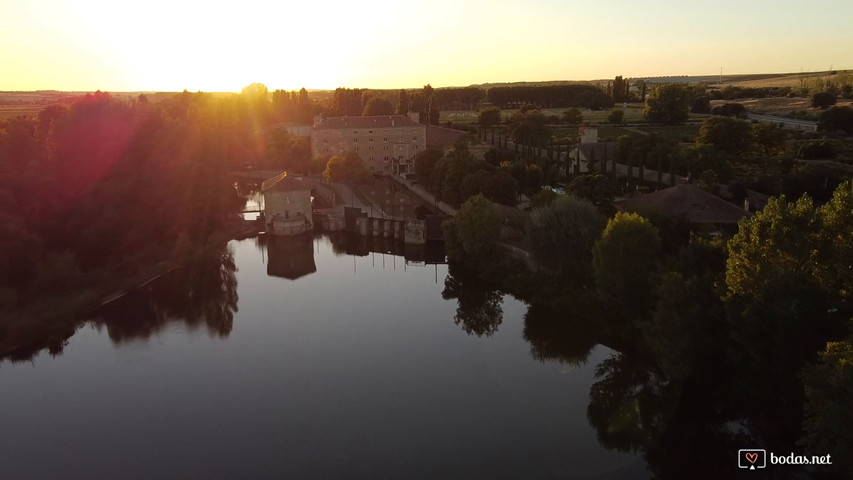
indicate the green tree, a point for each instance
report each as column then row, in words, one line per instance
column 278, row 147
column 621, row 89
column 346, row 168
column 596, row 189
column 489, row 117
column 688, row 317
column 700, row 102
column 736, row 110
column 788, row 274
column 543, row 198
column 472, row 232
column 534, row 176
column 837, row 118
column 378, row 106
column 335, row 170
column 529, row 127
column 402, row 103
column 624, row 258
column 573, row 116
column 425, row 163
column 562, row 235
column 823, row 100
column 726, row 134
column 451, row 171
column 616, row 116
column 828, row 424
column 502, row 188
column 769, row 139
column 667, row 104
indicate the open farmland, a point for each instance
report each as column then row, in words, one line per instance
column 12, row 111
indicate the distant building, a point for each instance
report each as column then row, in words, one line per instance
column 386, row 143
column 287, row 206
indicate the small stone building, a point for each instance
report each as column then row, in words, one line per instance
column 287, row 205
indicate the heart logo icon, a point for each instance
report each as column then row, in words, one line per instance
column 752, row 457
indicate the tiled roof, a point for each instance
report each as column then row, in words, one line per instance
column 284, row 183
column 442, row 137
column 378, row 121
column 685, row 202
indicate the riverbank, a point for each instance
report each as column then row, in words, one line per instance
column 50, row 321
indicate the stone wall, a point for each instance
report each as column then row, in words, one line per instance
column 288, row 212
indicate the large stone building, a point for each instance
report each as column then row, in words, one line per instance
column 287, row 206
column 386, row 143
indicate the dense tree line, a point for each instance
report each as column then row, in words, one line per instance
column 459, row 98
column 731, row 92
column 106, row 187
column 458, row 176
column 551, row 96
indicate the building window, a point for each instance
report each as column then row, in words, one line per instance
column 356, row 149
column 370, row 140
column 385, row 139
column 370, row 148
column 354, row 140
column 385, row 148
column 325, row 140
column 401, row 139
column 370, row 131
column 287, row 199
column 415, row 138
column 355, row 132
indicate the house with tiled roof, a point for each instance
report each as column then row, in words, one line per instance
column 686, row 203
column 386, row 143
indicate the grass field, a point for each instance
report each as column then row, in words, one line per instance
column 12, row 111
column 680, row 133
column 778, row 105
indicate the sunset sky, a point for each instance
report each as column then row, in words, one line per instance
column 171, row 45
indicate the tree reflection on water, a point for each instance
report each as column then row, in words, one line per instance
column 201, row 294
column 678, row 389
column 478, row 309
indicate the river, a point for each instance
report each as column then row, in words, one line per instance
column 299, row 360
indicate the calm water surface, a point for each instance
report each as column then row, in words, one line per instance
column 333, row 366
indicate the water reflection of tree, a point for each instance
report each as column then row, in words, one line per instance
column 478, row 309
column 202, row 294
column 629, row 404
column 680, row 390
column 554, row 335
